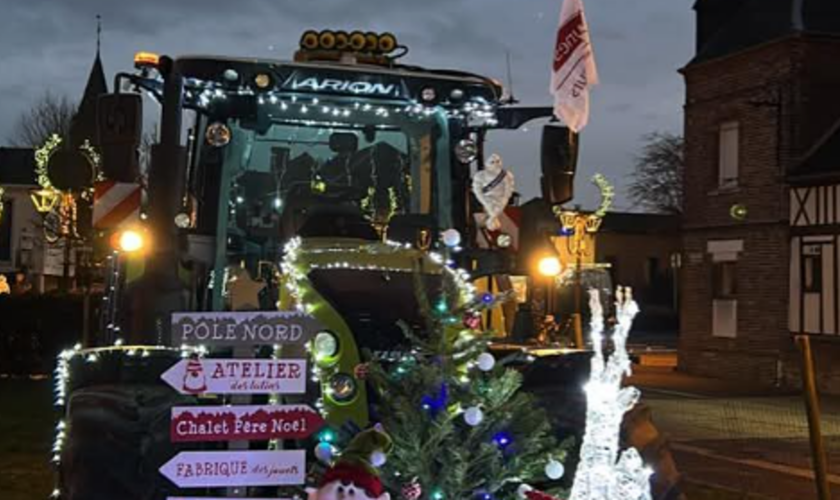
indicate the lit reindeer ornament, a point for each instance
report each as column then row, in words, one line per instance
column 605, row 472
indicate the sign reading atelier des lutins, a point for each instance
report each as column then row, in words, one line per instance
column 242, row 329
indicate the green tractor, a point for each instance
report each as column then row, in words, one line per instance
column 328, row 182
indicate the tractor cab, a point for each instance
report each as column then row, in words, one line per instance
column 338, row 170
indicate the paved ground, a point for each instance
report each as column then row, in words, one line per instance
column 738, row 438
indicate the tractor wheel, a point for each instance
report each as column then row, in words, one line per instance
column 117, row 438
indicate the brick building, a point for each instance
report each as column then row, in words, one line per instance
column 761, row 94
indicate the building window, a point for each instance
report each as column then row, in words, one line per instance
column 728, row 155
column 812, row 268
column 724, row 280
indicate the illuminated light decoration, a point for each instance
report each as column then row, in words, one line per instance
column 502, row 439
column 94, row 355
column 42, row 160
column 738, row 212
column 604, row 472
column 44, row 200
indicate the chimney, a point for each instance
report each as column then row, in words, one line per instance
column 712, row 15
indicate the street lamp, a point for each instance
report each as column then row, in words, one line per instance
column 581, row 229
column 44, row 199
column 129, row 241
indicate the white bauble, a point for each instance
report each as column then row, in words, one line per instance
column 554, row 469
column 473, row 416
column 324, row 452
column 486, row 362
column 451, row 238
column 378, row 459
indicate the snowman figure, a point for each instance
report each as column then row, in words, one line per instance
column 195, row 382
column 493, row 188
column 354, row 475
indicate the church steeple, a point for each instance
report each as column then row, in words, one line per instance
column 84, row 123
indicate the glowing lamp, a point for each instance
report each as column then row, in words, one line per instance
column 549, row 266
column 129, row 241
column 146, row 60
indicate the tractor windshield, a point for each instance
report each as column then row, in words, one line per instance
column 322, row 171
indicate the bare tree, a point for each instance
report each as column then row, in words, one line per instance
column 657, row 179
column 49, row 115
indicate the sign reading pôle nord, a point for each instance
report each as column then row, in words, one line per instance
column 237, row 376
column 243, row 328
column 243, row 423
column 208, row 469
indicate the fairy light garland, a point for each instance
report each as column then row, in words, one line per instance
column 95, row 355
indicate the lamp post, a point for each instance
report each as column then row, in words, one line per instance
column 581, row 229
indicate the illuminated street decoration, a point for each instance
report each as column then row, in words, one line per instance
column 605, row 472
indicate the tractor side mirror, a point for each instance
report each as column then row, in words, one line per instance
column 559, row 162
column 119, row 127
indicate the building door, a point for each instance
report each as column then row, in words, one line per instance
column 817, row 282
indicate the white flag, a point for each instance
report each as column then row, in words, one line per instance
column 573, row 67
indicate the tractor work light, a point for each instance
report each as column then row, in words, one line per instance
column 324, row 346
column 130, row 240
column 146, row 60
column 363, row 43
column 549, row 266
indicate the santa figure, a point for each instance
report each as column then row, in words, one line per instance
column 194, row 380
column 354, row 475
column 493, row 188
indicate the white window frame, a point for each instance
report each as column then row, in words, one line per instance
column 729, row 149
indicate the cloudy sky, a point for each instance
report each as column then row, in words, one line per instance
column 48, row 45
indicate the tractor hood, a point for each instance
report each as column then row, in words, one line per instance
column 375, row 288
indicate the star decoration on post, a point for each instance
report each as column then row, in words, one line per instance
column 243, row 292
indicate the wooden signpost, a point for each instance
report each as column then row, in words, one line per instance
column 243, row 328
column 243, row 423
column 237, row 376
column 208, row 469
column 237, row 468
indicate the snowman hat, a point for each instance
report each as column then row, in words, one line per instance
column 354, row 466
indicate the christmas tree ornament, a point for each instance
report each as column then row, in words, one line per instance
column 361, row 371
column 378, row 458
column 451, row 238
column 538, row 495
column 473, row 416
column 554, row 469
column 324, row 452
column 493, row 188
column 412, row 490
column 472, row 321
column 486, row 362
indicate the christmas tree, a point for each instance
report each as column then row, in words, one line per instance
column 461, row 426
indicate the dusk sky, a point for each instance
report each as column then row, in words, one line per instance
column 48, row 45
